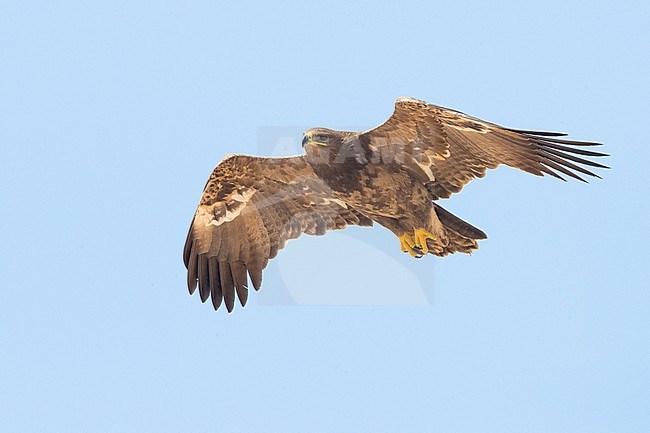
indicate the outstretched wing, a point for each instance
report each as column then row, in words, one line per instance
column 452, row 148
column 250, row 207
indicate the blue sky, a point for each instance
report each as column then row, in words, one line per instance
column 113, row 114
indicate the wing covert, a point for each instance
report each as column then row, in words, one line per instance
column 453, row 148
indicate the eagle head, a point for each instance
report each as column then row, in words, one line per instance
column 322, row 137
column 327, row 146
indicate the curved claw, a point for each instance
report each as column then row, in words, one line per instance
column 407, row 244
column 421, row 236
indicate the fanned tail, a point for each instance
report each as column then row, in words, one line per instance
column 461, row 235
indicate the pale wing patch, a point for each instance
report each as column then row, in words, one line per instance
column 408, row 99
column 240, row 197
column 221, row 213
column 463, row 122
column 337, row 201
column 470, row 126
column 427, row 169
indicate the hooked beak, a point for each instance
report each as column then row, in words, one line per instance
column 309, row 139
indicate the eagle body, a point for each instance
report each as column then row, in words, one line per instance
column 390, row 193
column 392, row 175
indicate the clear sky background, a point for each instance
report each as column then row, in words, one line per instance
column 113, row 114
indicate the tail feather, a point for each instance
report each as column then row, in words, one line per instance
column 451, row 221
column 461, row 236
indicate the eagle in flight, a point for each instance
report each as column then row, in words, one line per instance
column 392, row 175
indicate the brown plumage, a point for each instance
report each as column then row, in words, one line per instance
column 391, row 175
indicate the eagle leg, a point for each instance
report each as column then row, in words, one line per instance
column 408, row 244
column 420, row 236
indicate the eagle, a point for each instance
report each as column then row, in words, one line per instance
column 392, row 175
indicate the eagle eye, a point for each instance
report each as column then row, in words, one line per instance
column 322, row 138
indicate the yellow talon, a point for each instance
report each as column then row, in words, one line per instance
column 421, row 236
column 407, row 244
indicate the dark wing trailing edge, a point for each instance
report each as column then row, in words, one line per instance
column 250, row 207
column 453, row 148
